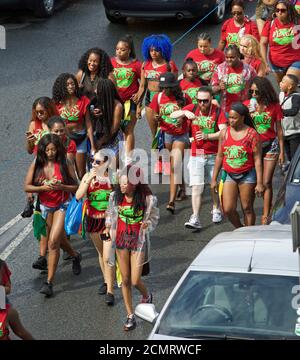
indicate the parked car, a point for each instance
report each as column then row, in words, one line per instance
column 41, row 8
column 117, row 10
column 289, row 192
column 240, row 286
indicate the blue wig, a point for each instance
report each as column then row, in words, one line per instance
column 160, row 43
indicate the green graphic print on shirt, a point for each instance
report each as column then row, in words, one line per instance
column 99, row 199
column 124, row 77
column 262, row 121
column 70, row 114
column 235, row 83
column 232, row 39
column 166, row 110
column 283, row 36
column 192, row 93
column 127, row 215
column 206, row 69
column 236, row 156
column 206, row 124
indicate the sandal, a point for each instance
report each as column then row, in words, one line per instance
column 181, row 195
column 265, row 220
column 171, row 207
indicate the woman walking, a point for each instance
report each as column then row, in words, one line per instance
column 267, row 116
column 53, row 179
column 97, row 187
column 131, row 215
column 239, row 154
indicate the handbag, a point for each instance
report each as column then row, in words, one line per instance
column 146, row 269
column 73, row 216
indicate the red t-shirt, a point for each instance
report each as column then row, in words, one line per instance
column 152, row 73
column 238, row 154
column 255, row 63
column 208, row 124
column 77, row 113
column 281, row 37
column 231, row 34
column 166, row 106
column 4, row 274
column 70, row 144
column 206, row 64
column 191, row 88
column 265, row 122
column 127, row 78
column 53, row 198
column 237, row 82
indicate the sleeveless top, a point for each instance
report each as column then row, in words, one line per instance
column 52, row 198
column 238, row 154
column 89, row 86
column 97, row 199
column 128, row 221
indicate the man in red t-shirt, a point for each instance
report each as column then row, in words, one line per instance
column 209, row 120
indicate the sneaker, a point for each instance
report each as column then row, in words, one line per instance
column 193, row 223
column 130, row 323
column 216, row 216
column 28, row 210
column 102, row 289
column 66, row 256
column 76, row 267
column 166, row 167
column 147, row 300
column 158, row 167
column 109, row 299
column 40, row 263
column 47, row 289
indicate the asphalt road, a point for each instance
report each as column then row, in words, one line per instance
column 37, row 51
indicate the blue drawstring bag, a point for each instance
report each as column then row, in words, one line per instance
column 73, row 216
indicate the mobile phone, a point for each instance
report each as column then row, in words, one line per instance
column 104, row 237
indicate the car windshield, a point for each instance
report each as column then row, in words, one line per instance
column 229, row 305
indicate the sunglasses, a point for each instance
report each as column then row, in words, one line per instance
column 40, row 112
column 254, row 92
column 238, row 13
column 97, row 162
column 281, row 10
column 204, row 101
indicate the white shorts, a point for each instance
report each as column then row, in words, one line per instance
column 196, row 170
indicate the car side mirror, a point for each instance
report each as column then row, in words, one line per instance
column 146, row 312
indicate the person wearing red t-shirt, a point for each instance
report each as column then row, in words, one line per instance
column 74, row 109
column 267, row 115
column 42, row 109
column 232, row 78
column 53, row 179
column 175, row 131
column 206, row 57
column 5, row 277
column 127, row 73
column 281, row 37
column 190, row 84
column 250, row 50
column 206, row 125
column 239, row 154
column 157, row 52
column 236, row 27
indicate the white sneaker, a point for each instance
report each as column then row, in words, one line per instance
column 216, row 216
column 193, row 223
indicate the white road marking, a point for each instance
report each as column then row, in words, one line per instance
column 15, row 243
column 10, row 224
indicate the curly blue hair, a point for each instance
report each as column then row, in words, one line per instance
column 160, row 43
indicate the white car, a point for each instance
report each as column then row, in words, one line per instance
column 242, row 285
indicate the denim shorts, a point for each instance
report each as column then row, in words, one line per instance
column 276, row 68
column 271, row 151
column 45, row 210
column 169, row 138
column 82, row 147
column 201, row 169
column 248, row 178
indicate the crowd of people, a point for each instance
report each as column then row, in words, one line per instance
column 224, row 111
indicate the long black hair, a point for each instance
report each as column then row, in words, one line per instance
column 267, row 93
column 107, row 93
column 141, row 191
column 59, row 89
column 42, row 160
column 105, row 66
column 243, row 110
